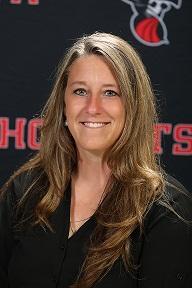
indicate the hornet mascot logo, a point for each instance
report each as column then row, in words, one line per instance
column 147, row 24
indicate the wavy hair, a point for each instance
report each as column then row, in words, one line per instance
column 136, row 179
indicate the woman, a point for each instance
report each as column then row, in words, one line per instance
column 93, row 208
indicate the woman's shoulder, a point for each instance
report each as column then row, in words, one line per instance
column 17, row 185
column 175, row 190
column 165, row 250
column 175, row 205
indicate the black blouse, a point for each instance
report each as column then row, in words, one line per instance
column 40, row 258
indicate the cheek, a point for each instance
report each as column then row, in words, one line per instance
column 73, row 108
column 119, row 113
column 71, row 113
column 121, row 121
column 69, row 109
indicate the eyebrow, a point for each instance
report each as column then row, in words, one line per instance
column 78, row 82
column 84, row 83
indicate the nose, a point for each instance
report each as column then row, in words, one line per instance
column 93, row 105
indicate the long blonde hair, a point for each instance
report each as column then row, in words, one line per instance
column 136, row 178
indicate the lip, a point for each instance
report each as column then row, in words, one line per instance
column 94, row 124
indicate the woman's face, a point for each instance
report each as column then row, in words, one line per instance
column 93, row 105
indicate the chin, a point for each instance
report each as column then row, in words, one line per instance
column 93, row 149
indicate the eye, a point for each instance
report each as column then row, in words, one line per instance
column 80, row 92
column 111, row 93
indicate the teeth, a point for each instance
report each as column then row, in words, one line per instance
column 94, row 124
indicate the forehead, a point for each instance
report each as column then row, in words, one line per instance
column 91, row 66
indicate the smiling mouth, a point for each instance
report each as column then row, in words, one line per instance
column 94, row 124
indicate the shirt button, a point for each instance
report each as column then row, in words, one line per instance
column 180, row 276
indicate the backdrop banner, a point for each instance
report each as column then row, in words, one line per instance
column 34, row 37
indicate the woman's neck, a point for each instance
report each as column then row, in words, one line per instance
column 91, row 169
column 88, row 186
